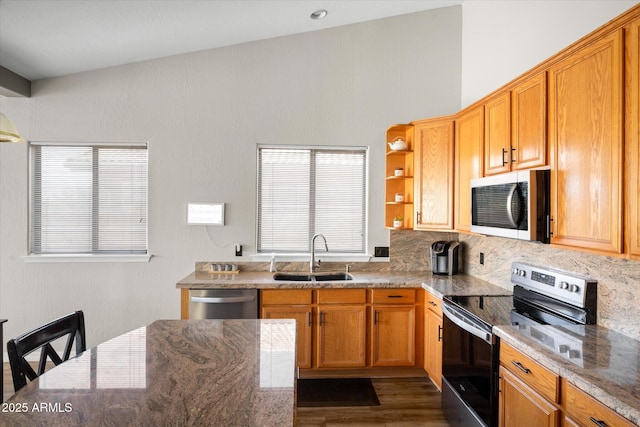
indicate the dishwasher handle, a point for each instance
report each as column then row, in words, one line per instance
column 223, row 300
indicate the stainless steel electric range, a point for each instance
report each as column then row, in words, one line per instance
column 471, row 351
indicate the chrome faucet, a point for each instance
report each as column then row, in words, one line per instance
column 312, row 262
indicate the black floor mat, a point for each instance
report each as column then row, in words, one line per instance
column 336, row 392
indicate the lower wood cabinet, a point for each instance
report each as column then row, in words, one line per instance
column 341, row 336
column 292, row 304
column 348, row 328
column 530, row 394
column 582, row 409
column 433, row 339
column 521, row 405
column 393, row 322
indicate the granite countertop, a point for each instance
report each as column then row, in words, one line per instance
column 609, row 370
column 171, row 372
column 440, row 286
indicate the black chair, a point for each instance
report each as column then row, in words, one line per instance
column 71, row 325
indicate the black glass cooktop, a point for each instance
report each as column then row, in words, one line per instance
column 491, row 309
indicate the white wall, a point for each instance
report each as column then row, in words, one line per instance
column 503, row 39
column 203, row 115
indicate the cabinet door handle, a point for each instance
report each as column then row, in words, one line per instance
column 513, row 157
column 418, row 217
column 309, row 318
column 439, row 333
column 321, row 318
column 375, row 317
column 519, row 366
column 504, row 161
column 599, row 423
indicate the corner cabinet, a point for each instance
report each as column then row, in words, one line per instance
column 434, row 157
column 399, row 179
column 586, row 147
column 469, row 141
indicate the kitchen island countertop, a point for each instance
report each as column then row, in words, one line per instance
column 173, row 373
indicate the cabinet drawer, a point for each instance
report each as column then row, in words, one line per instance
column 433, row 303
column 530, row 372
column 342, row 296
column 586, row 410
column 288, row 296
column 393, row 296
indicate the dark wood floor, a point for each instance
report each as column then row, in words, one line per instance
column 404, row 402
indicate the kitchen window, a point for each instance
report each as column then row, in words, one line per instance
column 88, row 199
column 307, row 190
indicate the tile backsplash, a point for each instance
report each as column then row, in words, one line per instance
column 618, row 279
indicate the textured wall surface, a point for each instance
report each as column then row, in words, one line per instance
column 618, row 279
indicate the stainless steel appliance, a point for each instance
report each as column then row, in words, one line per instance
column 444, row 257
column 223, row 304
column 514, row 205
column 471, row 350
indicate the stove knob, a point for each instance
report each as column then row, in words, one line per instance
column 564, row 285
column 574, row 354
column 574, row 288
column 522, row 273
column 515, row 272
column 563, row 348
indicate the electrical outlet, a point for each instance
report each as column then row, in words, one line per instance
column 481, row 258
column 381, row 251
column 238, row 249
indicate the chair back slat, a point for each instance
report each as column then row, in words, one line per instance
column 71, row 325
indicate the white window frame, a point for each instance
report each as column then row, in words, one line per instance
column 361, row 254
column 114, row 256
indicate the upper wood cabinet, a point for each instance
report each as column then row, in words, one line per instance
column 497, row 134
column 529, row 123
column 434, row 155
column 586, row 146
column 469, row 140
column 632, row 132
column 515, row 127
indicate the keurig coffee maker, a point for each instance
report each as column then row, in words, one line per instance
column 444, row 257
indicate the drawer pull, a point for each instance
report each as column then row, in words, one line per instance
column 599, row 423
column 519, row 366
column 394, row 296
column 433, row 304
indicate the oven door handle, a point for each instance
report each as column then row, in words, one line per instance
column 460, row 320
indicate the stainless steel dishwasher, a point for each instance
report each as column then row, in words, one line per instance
column 223, row 304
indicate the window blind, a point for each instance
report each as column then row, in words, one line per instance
column 88, row 199
column 303, row 191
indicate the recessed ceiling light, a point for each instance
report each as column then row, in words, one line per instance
column 319, row 14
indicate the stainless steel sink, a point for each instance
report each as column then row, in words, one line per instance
column 315, row 277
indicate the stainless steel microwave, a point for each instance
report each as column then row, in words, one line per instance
column 514, row 205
